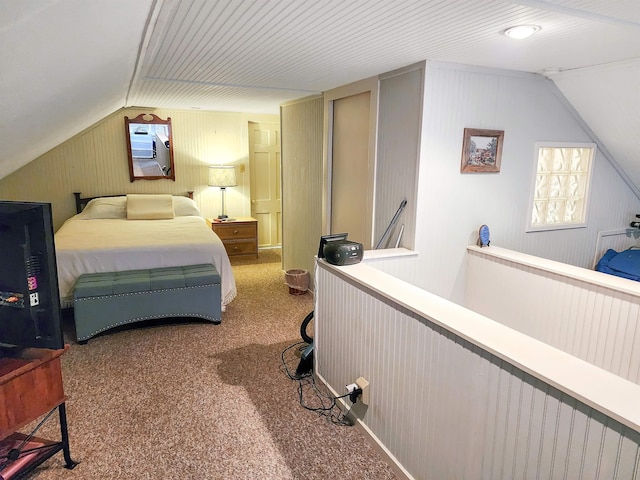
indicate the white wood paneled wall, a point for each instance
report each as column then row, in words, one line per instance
column 94, row 162
column 595, row 322
column 447, row 409
column 399, row 124
column 302, row 176
column 452, row 206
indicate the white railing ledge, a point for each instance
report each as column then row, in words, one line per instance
column 570, row 271
column 388, row 253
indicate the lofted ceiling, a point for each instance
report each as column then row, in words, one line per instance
column 67, row 64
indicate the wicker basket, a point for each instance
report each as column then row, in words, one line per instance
column 297, row 280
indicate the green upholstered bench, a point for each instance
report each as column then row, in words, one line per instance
column 105, row 300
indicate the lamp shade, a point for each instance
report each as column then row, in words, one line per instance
column 222, row 176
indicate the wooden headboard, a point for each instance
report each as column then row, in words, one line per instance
column 82, row 202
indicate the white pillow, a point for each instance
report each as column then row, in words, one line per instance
column 184, row 206
column 105, row 207
column 149, row 207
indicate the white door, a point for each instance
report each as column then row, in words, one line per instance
column 266, row 199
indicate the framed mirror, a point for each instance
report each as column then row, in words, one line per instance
column 150, row 147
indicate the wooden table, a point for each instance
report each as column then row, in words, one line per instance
column 31, row 387
column 239, row 235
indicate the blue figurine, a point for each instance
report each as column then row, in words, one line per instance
column 484, row 236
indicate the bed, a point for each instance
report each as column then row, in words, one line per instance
column 131, row 232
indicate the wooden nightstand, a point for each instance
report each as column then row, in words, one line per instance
column 240, row 235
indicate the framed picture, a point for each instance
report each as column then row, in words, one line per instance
column 481, row 150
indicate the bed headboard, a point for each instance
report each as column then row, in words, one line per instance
column 82, row 202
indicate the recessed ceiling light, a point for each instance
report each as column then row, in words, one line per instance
column 521, row 31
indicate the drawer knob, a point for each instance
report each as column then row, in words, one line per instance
column 236, row 248
column 235, row 231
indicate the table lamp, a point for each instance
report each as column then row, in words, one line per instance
column 222, row 176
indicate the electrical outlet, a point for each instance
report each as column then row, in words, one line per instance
column 363, row 384
column 34, row 299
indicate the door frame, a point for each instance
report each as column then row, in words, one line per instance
column 370, row 85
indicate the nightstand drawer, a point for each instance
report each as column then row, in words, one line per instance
column 241, row 247
column 239, row 235
column 231, row 231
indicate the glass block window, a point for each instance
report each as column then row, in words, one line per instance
column 561, row 186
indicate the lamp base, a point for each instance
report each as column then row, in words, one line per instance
column 223, row 217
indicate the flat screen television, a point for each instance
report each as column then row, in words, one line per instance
column 30, row 313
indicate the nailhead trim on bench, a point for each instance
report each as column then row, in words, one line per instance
column 144, row 292
column 174, row 301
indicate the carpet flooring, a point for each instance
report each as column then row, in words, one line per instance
column 187, row 399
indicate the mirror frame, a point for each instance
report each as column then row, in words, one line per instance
column 149, row 119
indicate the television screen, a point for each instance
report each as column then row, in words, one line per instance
column 29, row 299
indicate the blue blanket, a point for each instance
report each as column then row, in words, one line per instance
column 624, row 264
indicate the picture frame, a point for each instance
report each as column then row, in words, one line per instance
column 481, row 150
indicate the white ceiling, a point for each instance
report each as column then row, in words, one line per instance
column 68, row 63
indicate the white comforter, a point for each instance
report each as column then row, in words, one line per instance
column 111, row 245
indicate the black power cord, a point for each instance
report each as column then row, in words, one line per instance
column 321, row 401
